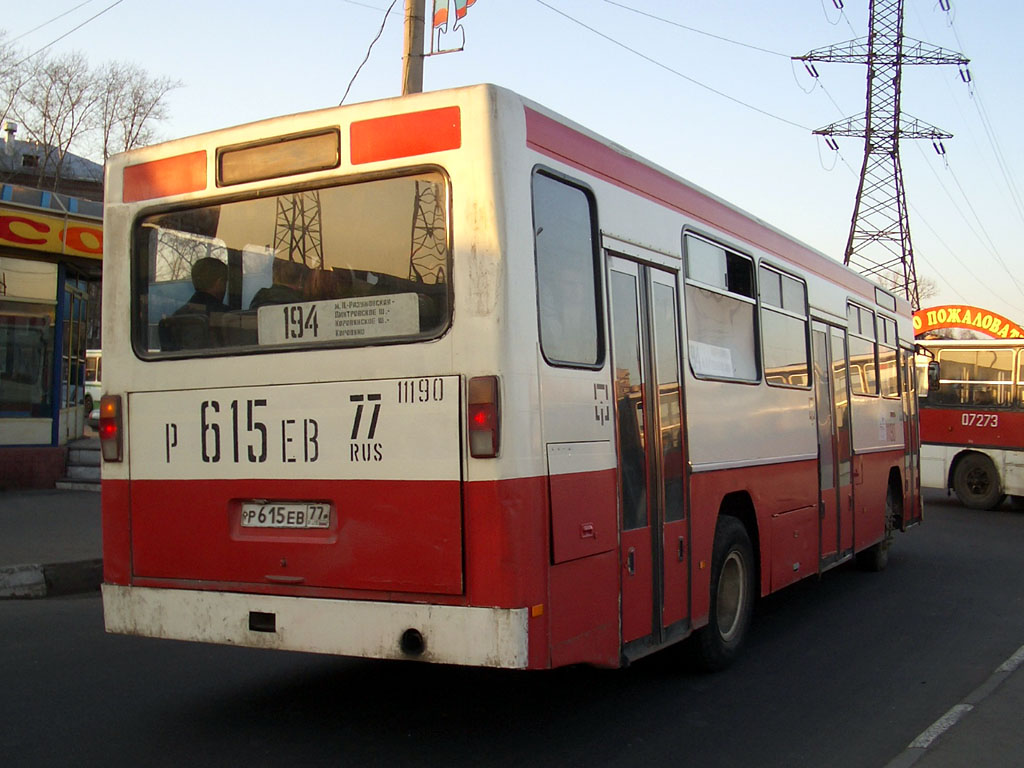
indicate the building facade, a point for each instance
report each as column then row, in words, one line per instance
column 51, row 249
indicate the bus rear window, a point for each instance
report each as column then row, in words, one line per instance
column 364, row 263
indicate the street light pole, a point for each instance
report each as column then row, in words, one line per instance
column 412, row 59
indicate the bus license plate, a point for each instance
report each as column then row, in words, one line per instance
column 285, row 515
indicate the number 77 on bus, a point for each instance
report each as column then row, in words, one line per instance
column 451, row 378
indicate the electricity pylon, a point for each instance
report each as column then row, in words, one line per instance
column 879, row 244
column 297, row 230
column 429, row 255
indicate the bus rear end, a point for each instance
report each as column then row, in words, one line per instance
column 293, row 404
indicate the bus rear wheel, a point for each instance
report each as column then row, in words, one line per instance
column 876, row 557
column 976, row 482
column 732, row 596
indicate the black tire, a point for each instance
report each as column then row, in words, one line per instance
column 88, row 405
column 733, row 588
column 976, row 482
column 876, row 557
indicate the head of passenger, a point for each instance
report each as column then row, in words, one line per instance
column 291, row 274
column 210, row 276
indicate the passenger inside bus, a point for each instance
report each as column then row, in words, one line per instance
column 289, row 285
column 210, row 280
column 189, row 326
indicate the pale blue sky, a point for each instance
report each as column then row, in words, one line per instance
column 242, row 61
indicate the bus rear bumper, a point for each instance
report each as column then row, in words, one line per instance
column 486, row 637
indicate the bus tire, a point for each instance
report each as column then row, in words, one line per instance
column 976, row 482
column 732, row 596
column 876, row 557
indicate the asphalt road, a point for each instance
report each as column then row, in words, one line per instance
column 842, row 671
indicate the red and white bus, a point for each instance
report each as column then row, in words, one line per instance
column 470, row 384
column 972, row 420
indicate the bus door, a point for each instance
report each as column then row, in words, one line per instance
column 651, row 452
column 911, row 441
column 835, row 474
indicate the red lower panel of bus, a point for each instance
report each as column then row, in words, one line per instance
column 964, row 426
column 402, row 536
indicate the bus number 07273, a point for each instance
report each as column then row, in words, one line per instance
column 980, row 420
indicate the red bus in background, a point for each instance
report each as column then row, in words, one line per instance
column 451, row 378
column 972, row 420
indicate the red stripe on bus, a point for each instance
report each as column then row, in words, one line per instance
column 414, row 133
column 979, row 428
column 397, row 535
column 176, row 175
column 117, row 532
column 558, row 141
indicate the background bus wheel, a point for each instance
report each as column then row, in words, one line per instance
column 976, row 483
column 732, row 596
column 876, row 557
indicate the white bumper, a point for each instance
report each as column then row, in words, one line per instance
column 486, row 637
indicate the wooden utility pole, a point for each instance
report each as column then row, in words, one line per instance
column 412, row 60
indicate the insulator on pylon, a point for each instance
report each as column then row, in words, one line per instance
column 944, row 5
column 940, row 148
column 838, row 4
column 832, row 143
column 965, row 74
column 811, row 70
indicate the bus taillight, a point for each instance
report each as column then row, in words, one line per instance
column 110, row 427
column 484, row 417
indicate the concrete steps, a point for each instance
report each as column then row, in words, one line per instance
column 82, row 471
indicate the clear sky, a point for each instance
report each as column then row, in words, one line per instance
column 734, row 119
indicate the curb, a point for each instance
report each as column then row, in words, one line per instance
column 49, row 580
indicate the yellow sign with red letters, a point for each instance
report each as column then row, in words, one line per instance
column 52, row 234
column 961, row 316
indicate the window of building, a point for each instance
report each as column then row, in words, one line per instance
column 783, row 328
column 720, row 311
column 27, row 315
column 567, row 272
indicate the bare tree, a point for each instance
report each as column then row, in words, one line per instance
column 927, row 288
column 56, row 106
column 130, row 101
column 62, row 104
column 10, row 75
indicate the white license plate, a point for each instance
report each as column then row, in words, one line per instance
column 281, row 514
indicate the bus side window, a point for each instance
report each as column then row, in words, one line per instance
column 863, row 350
column 720, row 312
column 563, row 220
column 1020, row 380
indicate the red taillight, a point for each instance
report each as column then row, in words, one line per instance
column 484, row 417
column 110, row 427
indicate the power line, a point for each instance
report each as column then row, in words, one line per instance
column 70, row 31
column 667, row 68
column 48, row 22
column 696, row 31
column 987, row 125
column 370, row 48
column 366, row 5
